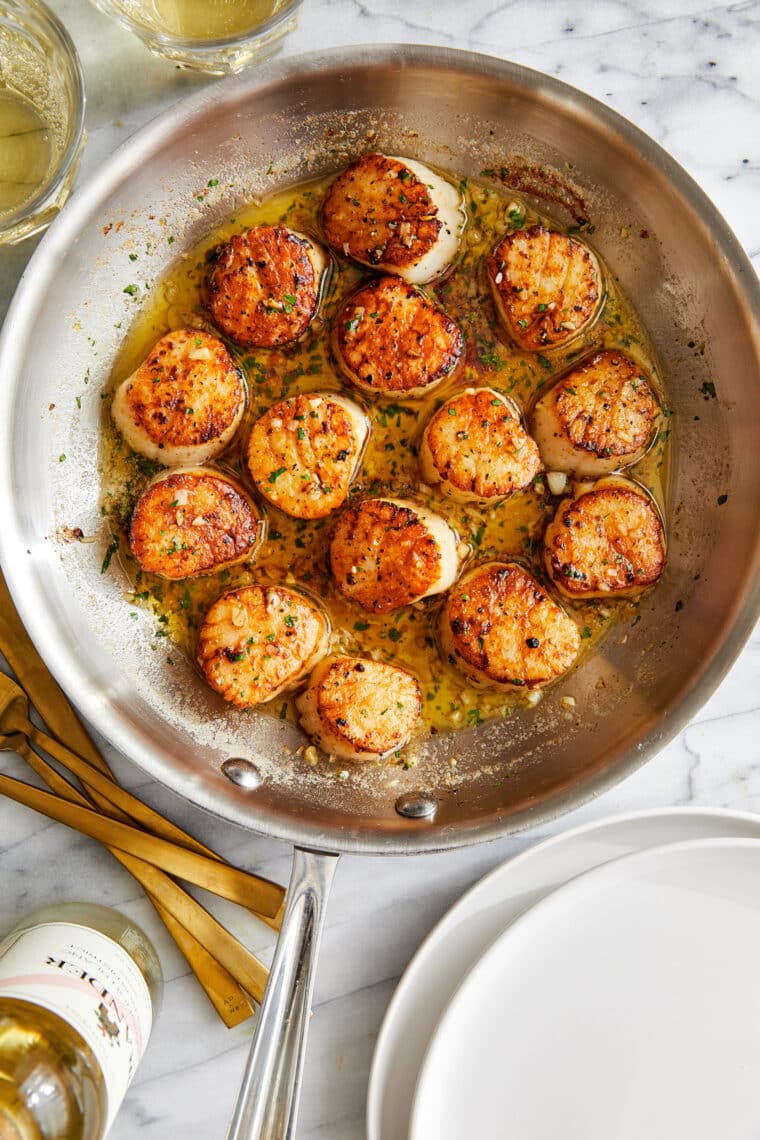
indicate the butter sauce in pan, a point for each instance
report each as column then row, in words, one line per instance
column 401, row 357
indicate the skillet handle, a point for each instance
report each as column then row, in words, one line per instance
column 267, row 1104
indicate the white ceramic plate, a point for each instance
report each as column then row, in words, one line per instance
column 469, row 928
column 626, row 1004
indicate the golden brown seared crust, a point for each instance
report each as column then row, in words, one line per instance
column 258, row 641
column 193, row 521
column 377, row 211
column 303, row 453
column 477, row 446
column 263, row 289
column 383, row 556
column 608, row 540
column 500, row 623
column 606, row 406
column 546, row 284
column 371, row 706
column 391, row 339
column 187, row 393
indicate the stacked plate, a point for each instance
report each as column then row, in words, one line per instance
column 603, row 984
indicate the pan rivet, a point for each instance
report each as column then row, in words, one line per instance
column 242, row 772
column 416, row 805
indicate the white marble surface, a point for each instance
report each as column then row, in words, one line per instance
column 688, row 74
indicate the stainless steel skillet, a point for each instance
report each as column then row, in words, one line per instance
column 695, row 291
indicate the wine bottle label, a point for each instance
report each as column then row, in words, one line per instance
column 90, row 981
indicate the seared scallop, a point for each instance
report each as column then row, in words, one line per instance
column 184, row 403
column 388, row 553
column 392, row 340
column 304, row 452
column 360, row 709
column 257, row 642
column 501, row 628
column 546, row 286
column 476, row 447
column 192, row 521
column 263, row 289
column 608, row 540
column 394, row 214
column 597, row 418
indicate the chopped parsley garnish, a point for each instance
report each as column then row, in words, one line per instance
column 113, row 546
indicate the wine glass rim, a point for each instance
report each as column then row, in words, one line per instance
column 197, row 45
column 51, row 26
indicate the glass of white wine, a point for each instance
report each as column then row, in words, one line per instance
column 216, row 36
column 41, row 117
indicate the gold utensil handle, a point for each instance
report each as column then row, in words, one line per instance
column 231, row 966
column 219, row 878
column 227, row 997
column 45, row 694
column 222, row 988
column 100, row 785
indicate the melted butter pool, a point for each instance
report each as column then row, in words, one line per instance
column 295, row 552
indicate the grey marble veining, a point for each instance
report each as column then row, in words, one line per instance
column 688, row 74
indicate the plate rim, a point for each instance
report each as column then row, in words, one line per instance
column 383, row 1049
column 575, row 884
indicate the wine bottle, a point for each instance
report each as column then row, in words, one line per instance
column 80, row 985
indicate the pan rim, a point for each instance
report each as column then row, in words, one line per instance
column 70, row 672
